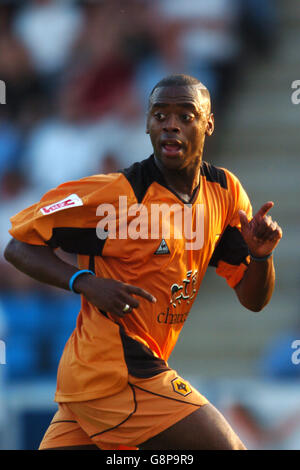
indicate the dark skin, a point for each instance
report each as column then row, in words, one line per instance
column 179, row 116
column 179, row 120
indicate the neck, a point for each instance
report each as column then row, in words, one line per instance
column 184, row 181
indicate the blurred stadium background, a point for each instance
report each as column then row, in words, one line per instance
column 77, row 76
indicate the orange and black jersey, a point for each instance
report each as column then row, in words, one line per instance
column 104, row 348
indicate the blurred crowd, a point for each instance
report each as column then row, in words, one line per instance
column 77, row 76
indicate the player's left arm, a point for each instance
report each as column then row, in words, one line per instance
column 262, row 235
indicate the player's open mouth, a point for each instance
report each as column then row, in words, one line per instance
column 171, row 147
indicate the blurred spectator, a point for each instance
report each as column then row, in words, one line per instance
column 128, row 139
column 65, row 147
column 206, row 40
column 48, row 29
column 258, row 26
column 16, row 70
column 62, row 148
column 7, row 14
column 99, row 113
column 10, row 146
column 105, row 65
column 211, row 40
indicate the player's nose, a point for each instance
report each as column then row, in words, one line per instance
column 171, row 124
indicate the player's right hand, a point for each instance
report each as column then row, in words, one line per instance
column 110, row 295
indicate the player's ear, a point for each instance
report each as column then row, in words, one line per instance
column 210, row 126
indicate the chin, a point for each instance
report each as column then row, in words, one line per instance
column 171, row 163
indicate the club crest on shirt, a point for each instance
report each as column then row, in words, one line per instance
column 181, row 386
column 71, row 201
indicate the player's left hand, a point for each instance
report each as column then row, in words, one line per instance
column 261, row 234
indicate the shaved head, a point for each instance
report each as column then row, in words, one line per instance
column 182, row 80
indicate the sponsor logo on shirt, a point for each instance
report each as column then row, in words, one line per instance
column 181, row 294
column 185, row 291
column 71, row 201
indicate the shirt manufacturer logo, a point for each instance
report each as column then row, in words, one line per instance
column 163, row 248
column 71, row 201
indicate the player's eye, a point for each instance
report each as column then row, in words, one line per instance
column 159, row 116
column 187, row 117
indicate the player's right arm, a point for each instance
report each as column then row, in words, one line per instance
column 42, row 264
column 66, row 218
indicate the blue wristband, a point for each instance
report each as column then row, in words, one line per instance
column 75, row 276
column 263, row 258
